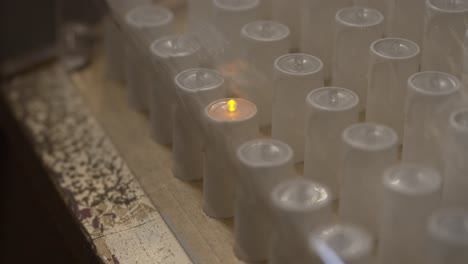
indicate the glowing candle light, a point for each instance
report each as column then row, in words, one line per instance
column 230, row 122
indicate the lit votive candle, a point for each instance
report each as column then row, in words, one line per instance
column 455, row 151
column 171, row 55
column 288, row 13
column 368, row 150
column 262, row 43
column 298, row 206
column 356, row 28
column 318, row 23
column 410, row 194
column 144, row 22
column 196, row 88
column 295, row 76
column 405, row 19
column 348, row 243
column 229, row 17
column 392, row 62
column 448, row 237
column 329, row 111
column 444, row 29
column 430, row 97
column 230, row 122
column 263, row 164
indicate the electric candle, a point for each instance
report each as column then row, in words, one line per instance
column 323, row 136
column 405, row 19
column 230, row 122
column 295, row 76
column 318, row 23
column 351, row 244
column 287, row 12
column 196, row 88
column 171, row 55
column 263, row 164
column 430, row 97
column 229, row 17
column 455, row 155
column 263, row 42
column 448, row 237
column 143, row 22
column 299, row 206
column 445, row 25
column 410, row 194
column 392, row 62
column 368, row 150
column 356, row 28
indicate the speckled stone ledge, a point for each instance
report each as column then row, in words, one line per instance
column 89, row 173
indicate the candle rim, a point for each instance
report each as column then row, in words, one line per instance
column 265, row 164
column 131, row 20
column 434, row 227
column 283, row 36
column 311, row 96
column 253, row 114
column 315, row 59
column 188, row 51
column 455, row 81
column 251, row 5
column 206, row 88
column 415, row 46
column 432, row 184
column 430, row 4
column 380, row 17
column 390, row 143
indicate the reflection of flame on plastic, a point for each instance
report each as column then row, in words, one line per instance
column 232, row 105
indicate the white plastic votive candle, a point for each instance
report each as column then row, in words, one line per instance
column 329, row 111
column 356, row 28
column 368, row 150
column 144, row 22
column 455, row 155
column 429, row 100
column 448, row 237
column 299, row 206
column 196, row 88
column 405, row 19
column 230, row 122
column 262, row 43
column 351, row 244
column 410, row 194
column 392, row 62
column 444, row 29
column 318, row 23
column 295, row 76
column 263, row 164
column 171, row 55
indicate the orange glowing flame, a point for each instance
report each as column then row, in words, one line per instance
column 232, row 105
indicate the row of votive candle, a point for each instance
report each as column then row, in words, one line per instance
column 277, row 215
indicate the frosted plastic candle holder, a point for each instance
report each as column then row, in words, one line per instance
column 144, row 22
column 351, row 244
column 405, row 19
column 455, row 150
column 329, row 111
column 263, row 164
column 368, row 150
column 295, row 76
column 171, row 54
column 318, row 23
column 230, row 123
column 298, row 206
column 288, row 13
column 196, row 88
column 263, row 42
column 431, row 95
column 448, row 237
column 410, row 194
column 392, row 62
column 444, row 29
column 355, row 30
